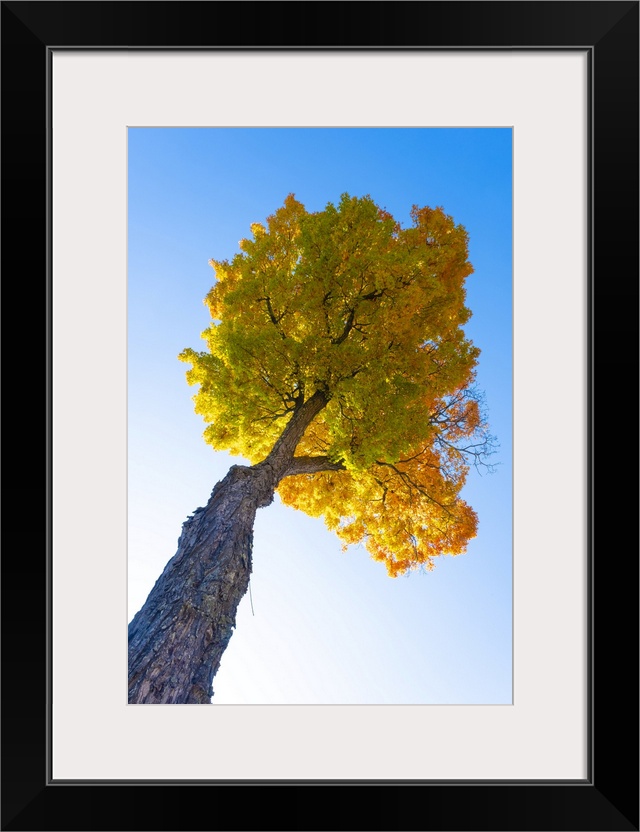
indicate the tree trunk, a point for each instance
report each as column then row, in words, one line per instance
column 177, row 639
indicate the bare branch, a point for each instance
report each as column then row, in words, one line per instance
column 412, row 485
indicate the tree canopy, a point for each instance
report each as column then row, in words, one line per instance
column 347, row 303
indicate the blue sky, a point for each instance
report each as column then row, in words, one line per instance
column 327, row 626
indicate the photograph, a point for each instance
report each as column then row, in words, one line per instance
column 319, row 386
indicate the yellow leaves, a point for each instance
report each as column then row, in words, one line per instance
column 405, row 514
column 347, row 301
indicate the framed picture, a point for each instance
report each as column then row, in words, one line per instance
column 562, row 79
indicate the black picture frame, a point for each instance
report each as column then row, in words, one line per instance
column 608, row 798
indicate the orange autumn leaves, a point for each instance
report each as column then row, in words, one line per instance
column 389, row 508
column 346, row 301
column 407, row 511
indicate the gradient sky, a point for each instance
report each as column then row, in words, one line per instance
column 321, row 626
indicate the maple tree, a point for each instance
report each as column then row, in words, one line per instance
column 338, row 366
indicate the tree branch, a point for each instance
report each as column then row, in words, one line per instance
column 304, row 413
column 346, row 330
column 411, row 483
column 275, row 319
column 311, row 465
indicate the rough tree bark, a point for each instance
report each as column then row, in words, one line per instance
column 177, row 639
